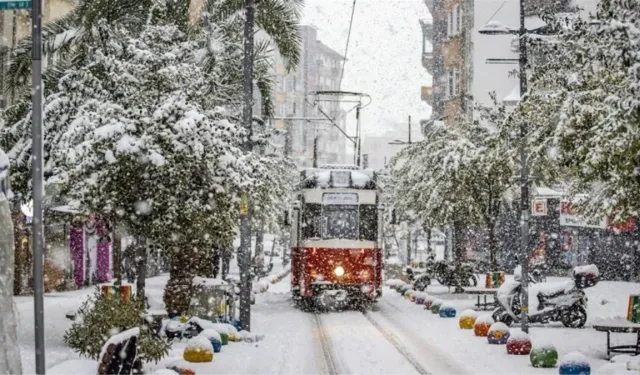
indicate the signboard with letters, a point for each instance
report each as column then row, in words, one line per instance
column 340, row 198
column 570, row 218
column 12, row 4
column 539, row 207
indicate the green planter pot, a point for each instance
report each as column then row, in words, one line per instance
column 544, row 357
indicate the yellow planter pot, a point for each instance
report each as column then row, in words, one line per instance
column 197, row 355
column 467, row 322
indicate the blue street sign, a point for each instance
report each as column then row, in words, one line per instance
column 15, row 4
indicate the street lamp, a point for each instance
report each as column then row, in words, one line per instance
column 497, row 28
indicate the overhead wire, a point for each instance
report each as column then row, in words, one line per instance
column 346, row 48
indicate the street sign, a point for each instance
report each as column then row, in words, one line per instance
column 13, row 4
column 539, row 207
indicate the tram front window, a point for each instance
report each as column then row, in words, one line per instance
column 340, row 222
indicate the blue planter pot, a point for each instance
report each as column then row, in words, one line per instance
column 575, row 369
column 217, row 345
column 447, row 312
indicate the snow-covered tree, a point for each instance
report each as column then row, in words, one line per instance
column 457, row 176
column 584, row 104
column 9, row 349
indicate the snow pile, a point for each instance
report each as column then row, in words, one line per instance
column 633, row 364
column 517, row 336
column 220, row 327
column 590, row 269
column 499, row 326
column 202, row 323
column 211, row 334
column 574, row 358
column 394, row 282
column 394, row 260
column 623, row 358
column 485, row 319
column 197, row 280
column 469, row 314
column 75, row 367
column 447, row 306
column 249, row 337
column 164, row 371
column 199, row 343
column 360, row 178
column 231, row 329
column 614, row 369
column 119, row 338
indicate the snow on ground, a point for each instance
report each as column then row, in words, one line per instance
column 293, row 344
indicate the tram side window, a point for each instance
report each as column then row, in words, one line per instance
column 368, row 222
column 312, row 221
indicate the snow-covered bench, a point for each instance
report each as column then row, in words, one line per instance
column 483, row 292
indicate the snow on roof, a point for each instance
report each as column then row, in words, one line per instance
column 119, row 338
column 549, row 193
column 588, row 269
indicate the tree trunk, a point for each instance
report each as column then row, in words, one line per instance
column 260, row 246
column 459, row 250
column 177, row 293
column 9, row 350
column 141, row 261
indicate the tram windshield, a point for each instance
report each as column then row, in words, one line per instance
column 340, row 222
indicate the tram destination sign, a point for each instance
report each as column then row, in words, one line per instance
column 13, row 5
column 340, row 198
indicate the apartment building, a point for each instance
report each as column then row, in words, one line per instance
column 296, row 112
column 16, row 25
column 467, row 66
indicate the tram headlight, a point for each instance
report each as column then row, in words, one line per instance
column 339, row 271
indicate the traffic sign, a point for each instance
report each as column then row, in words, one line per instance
column 13, row 4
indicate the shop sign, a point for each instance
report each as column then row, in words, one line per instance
column 539, row 207
column 570, row 219
column 628, row 226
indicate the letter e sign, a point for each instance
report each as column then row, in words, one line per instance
column 539, row 207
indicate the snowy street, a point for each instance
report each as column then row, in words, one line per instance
column 395, row 336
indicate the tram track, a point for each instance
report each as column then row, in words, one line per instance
column 327, row 347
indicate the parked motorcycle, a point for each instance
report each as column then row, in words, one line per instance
column 564, row 302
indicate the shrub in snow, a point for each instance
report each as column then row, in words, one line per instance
column 102, row 318
column 519, row 343
column 544, row 356
column 199, row 349
column 498, row 334
column 574, row 363
column 482, row 325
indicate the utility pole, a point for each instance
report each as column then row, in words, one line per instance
column 525, row 210
column 38, row 183
column 409, row 130
column 244, row 254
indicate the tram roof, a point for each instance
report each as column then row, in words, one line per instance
column 338, row 177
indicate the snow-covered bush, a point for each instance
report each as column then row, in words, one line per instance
column 101, row 318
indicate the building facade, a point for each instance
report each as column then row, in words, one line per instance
column 310, row 135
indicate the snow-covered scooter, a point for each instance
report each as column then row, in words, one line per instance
column 559, row 302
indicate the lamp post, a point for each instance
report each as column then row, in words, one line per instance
column 496, row 28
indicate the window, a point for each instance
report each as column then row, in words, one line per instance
column 455, row 28
column 340, row 221
column 368, row 222
column 449, row 24
column 450, row 84
column 459, row 18
column 311, row 219
column 456, row 81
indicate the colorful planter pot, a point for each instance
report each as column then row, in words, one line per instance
column 468, row 319
column 546, row 356
column 498, row 334
column 428, row 301
column 519, row 344
column 447, row 310
column 435, row 306
column 199, row 349
column 574, row 363
column 482, row 325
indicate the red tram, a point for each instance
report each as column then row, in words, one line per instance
column 335, row 248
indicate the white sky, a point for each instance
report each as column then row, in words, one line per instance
column 384, row 57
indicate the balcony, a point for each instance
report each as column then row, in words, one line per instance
column 427, row 30
column 427, row 61
column 426, row 94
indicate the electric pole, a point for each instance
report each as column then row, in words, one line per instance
column 244, row 254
